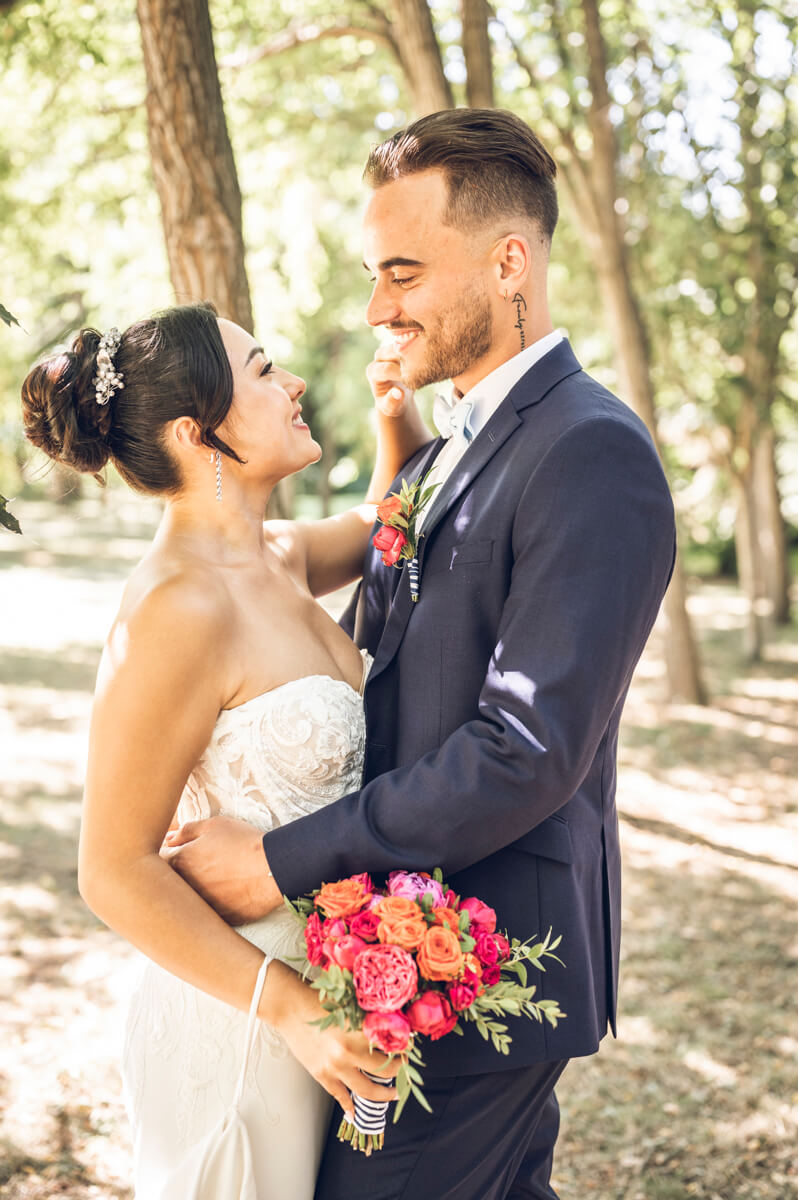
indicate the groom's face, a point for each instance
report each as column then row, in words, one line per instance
column 431, row 282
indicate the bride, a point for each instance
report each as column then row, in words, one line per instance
column 224, row 687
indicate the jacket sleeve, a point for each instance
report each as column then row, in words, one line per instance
column 593, row 548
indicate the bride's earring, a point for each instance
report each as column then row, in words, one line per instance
column 217, row 458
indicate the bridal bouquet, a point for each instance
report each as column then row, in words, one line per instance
column 414, row 960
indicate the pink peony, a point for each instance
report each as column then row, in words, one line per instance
column 389, row 1032
column 491, row 975
column 313, row 940
column 413, row 886
column 462, row 995
column 431, row 1015
column 365, row 925
column 385, row 978
column 486, row 949
column 343, row 951
column 483, row 918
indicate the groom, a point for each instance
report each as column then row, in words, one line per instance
column 494, row 701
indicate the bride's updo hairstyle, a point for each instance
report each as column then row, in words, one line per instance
column 173, row 364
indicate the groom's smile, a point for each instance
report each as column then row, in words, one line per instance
column 430, row 288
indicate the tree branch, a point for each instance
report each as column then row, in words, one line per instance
column 301, row 35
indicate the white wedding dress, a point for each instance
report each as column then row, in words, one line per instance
column 277, row 757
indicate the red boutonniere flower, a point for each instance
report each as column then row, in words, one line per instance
column 397, row 514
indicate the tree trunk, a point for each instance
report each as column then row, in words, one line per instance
column 192, row 159
column 595, row 190
column 681, row 654
column 421, row 56
column 477, row 53
column 749, row 566
column 771, row 528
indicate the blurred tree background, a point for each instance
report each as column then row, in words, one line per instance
column 172, row 148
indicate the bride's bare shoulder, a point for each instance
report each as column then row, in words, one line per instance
column 165, row 591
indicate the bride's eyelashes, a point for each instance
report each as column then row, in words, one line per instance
column 267, row 368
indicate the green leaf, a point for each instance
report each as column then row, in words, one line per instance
column 437, row 875
column 7, row 519
column 8, row 317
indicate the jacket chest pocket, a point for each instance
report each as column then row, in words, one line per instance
column 461, row 554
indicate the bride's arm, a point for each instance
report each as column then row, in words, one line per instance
column 159, row 692
column 333, row 549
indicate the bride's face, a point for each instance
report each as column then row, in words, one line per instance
column 264, row 425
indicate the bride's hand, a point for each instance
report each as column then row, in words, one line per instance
column 384, row 374
column 334, row 1058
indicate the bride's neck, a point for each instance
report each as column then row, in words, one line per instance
column 228, row 532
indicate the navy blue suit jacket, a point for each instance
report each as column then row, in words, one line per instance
column 494, row 701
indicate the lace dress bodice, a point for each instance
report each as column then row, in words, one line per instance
column 279, row 756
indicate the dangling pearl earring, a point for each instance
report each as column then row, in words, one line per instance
column 217, row 458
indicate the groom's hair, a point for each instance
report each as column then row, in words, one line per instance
column 495, row 166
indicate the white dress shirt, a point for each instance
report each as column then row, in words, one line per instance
column 485, row 397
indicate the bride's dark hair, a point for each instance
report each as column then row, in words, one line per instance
column 174, row 365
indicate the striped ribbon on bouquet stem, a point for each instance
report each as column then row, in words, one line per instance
column 366, row 1132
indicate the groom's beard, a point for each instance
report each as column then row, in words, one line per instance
column 461, row 335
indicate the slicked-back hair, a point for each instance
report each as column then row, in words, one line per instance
column 495, row 166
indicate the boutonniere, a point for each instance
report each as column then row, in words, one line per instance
column 397, row 514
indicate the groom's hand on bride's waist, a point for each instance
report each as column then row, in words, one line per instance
column 223, row 860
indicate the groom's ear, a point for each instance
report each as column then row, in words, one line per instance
column 513, row 263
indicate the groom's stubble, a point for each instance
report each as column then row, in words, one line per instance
column 460, row 336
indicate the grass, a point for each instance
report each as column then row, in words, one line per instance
column 699, row 1095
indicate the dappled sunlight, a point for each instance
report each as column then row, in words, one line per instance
column 708, row 801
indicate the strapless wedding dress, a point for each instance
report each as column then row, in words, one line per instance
column 277, row 757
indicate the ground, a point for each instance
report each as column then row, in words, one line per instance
column 699, row 1095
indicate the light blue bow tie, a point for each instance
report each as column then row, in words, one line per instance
column 453, row 419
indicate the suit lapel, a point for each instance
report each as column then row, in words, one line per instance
column 530, row 389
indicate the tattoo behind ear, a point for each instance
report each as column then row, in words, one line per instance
column 520, row 309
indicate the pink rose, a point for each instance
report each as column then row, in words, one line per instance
column 486, row 949
column 483, row 918
column 450, row 899
column 385, row 978
column 365, row 879
column 462, row 995
column 365, row 925
column 313, row 940
column 491, row 975
column 389, row 1032
column 431, row 1015
column 503, row 946
column 336, row 928
column 412, row 886
column 345, row 950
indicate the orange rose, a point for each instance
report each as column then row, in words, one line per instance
column 472, row 963
column 401, row 922
column 439, row 955
column 391, row 506
column 341, row 899
column 448, row 917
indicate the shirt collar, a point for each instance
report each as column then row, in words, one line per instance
column 487, row 395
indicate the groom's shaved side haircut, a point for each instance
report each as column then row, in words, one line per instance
column 495, row 166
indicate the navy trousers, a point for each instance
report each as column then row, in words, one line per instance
column 489, row 1137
